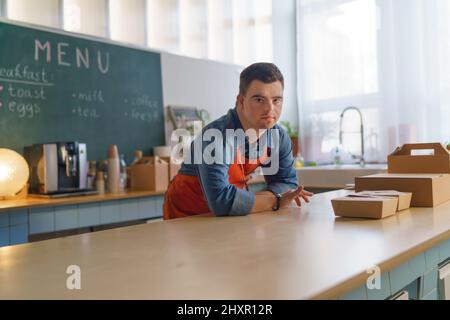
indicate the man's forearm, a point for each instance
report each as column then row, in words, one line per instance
column 264, row 201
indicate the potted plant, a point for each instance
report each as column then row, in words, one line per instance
column 293, row 134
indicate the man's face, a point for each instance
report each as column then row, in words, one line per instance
column 262, row 103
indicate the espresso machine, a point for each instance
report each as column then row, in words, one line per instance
column 58, row 169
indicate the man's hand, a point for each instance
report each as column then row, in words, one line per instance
column 265, row 200
column 295, row 195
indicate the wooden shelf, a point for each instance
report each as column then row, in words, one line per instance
column 35, row 202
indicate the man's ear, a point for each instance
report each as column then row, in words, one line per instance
column 239, row 100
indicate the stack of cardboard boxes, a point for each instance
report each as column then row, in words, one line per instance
column 371, row 204
column 423, row 170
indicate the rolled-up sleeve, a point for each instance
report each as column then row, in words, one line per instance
column 286, row 176
column 223, row 198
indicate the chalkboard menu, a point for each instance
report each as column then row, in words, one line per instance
column 55, row 86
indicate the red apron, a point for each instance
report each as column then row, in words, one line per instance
column 185, row 197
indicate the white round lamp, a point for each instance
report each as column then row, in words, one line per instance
column 14, row 172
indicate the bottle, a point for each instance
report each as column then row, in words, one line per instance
column 103, row 167
column 337, row 156
column 123, row 174
column 91, row 174
column 113, row 182
column 100, row 182
column 299, row 161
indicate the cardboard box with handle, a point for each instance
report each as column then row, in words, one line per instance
column 419, row 158
column 422, row 169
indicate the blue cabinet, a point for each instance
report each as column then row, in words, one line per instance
column 4, row 219
column 18, row 234
column 129, row 210
column 4, row 236
column 88, row 215
column 13, row 227
column 109, row 212
column 147, row 208
column 66, row 217
column 42, row 220
column 17, row 225
column 418, row 276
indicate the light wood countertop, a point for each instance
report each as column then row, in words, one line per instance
column 36, row 202
column 296, row 253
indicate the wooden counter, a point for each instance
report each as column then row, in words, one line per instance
column 36, row 202
column 296, row 253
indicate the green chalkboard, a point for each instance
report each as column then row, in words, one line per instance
column 55, row 86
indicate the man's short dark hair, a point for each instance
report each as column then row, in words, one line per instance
column 262, row 71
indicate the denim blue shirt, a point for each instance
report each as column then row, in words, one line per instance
column 225, row 199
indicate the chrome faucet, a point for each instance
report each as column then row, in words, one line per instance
column 361, row 132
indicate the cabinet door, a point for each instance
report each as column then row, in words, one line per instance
column 444, row 281
column 110, row 212
column 158, row 207
column 129, row 210
column 88, row 215
column 402, row 295
column 4, row 219
column 18, row 217
column 42, row 220
column 146, row 208
column 4, row 236
column 18, row 226
column 66, row 217
column 18, row 234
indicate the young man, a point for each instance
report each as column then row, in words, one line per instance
column 220, row 186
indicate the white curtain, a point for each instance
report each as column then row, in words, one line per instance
column 389, row 58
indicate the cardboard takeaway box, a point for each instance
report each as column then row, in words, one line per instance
column 151, row 174
column 410, row 158
column 426, row 176
column 404, row 198
column 365, row 207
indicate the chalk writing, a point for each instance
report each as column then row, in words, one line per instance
column 91, row 96
column 82, row 57
column 86, row 112
column 24, row 110
column 23, row 73
column 143, row 101
column 36, row 94
column 142, row 116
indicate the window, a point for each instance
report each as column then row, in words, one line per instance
column 338, row 68
column 194, row 28
column 340, row 40
column 163, row 24
column 388, row 58
column 2, row 8
column 220, row 30
column 86, row 16
column 233, row 31
column 127, row 21
column 236, row 31
column 42, row 12
column 252, row 31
